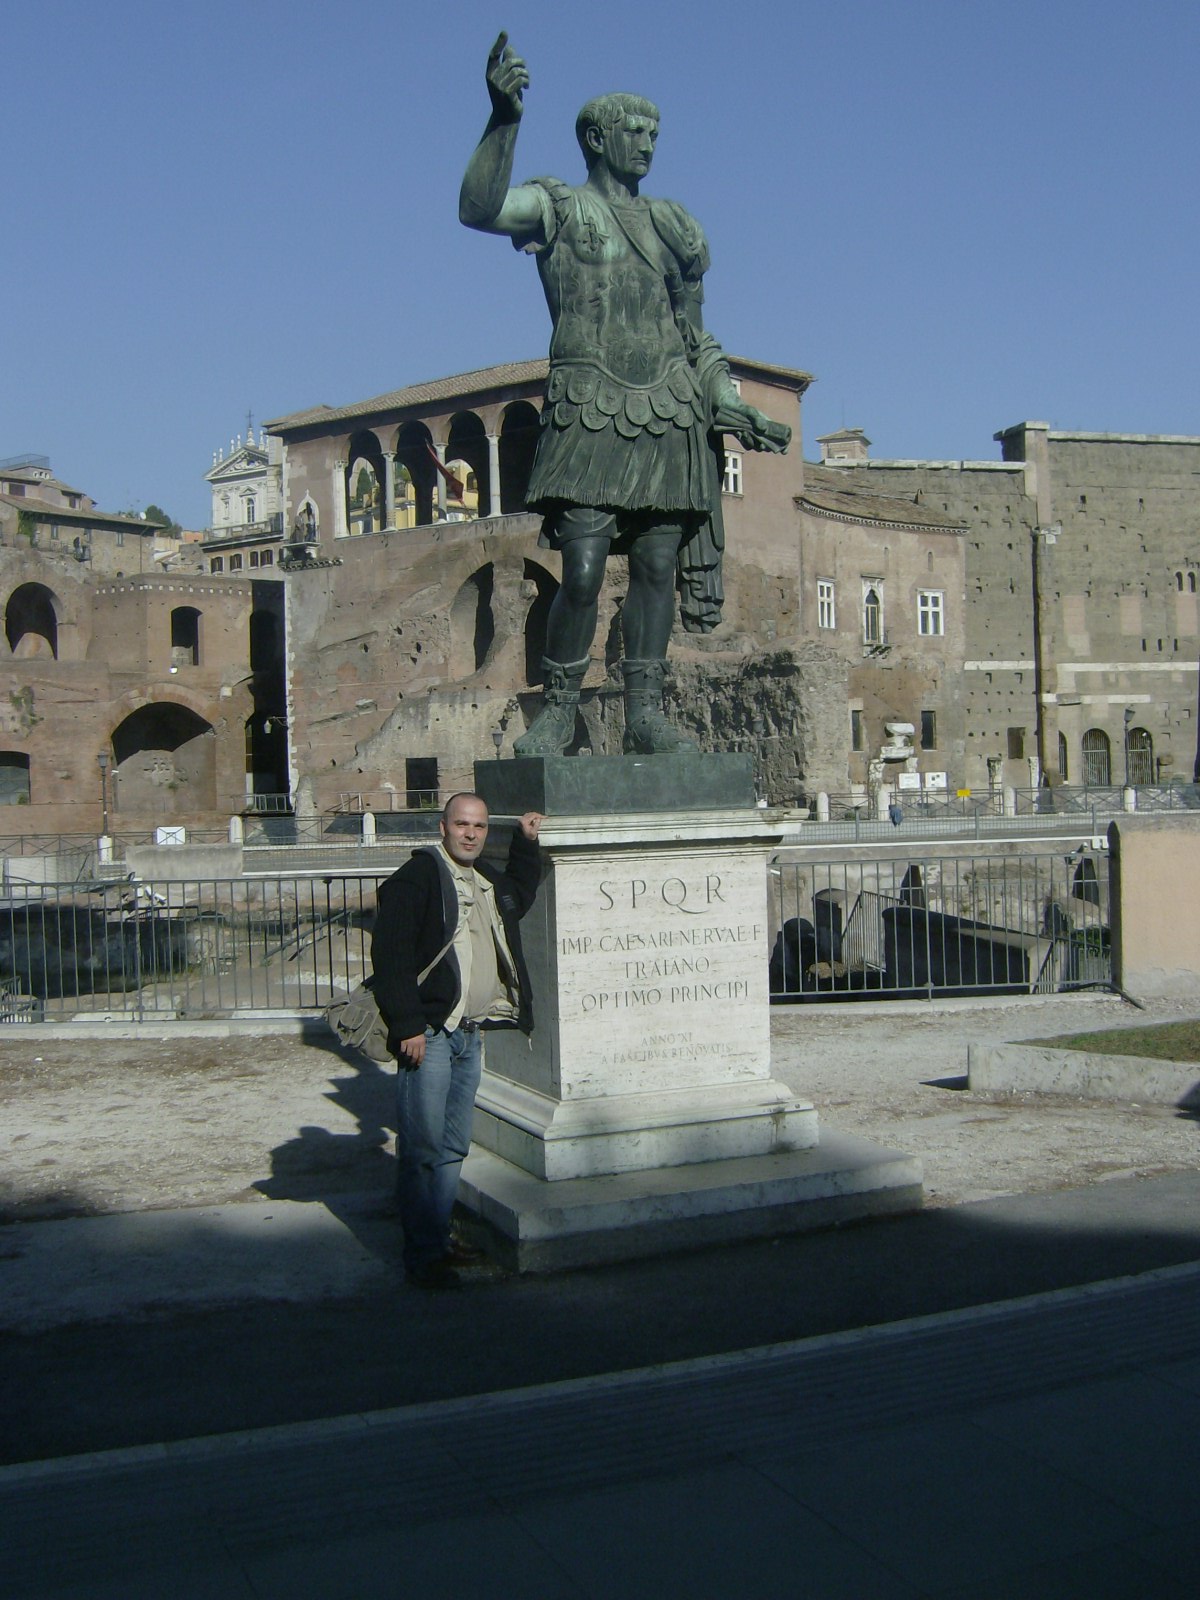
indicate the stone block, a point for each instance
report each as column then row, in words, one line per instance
column 545, row 1227
column 583, row 785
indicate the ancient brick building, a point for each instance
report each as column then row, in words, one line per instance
column 125, row 688
column 1082, row 562
column 882, row 582
column 418, row 595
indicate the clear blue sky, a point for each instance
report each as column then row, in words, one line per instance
column 956, row 214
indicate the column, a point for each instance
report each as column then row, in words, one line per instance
column 441, row 482
column 389, row 490
column 340, row 526
column 495, row 509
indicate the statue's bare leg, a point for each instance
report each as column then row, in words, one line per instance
column 646, row 620
column 570, row 629
column 649, row 609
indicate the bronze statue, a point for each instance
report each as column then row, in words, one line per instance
column 636, row 401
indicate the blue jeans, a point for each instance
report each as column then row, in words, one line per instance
column 434, row 1109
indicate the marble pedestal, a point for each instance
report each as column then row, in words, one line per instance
column 642, row 1113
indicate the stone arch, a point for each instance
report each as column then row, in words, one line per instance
column 415, row 476
column 185, row 636
column 1097, row 759
column 164, row 757
column 518, row 439
column 472, row 623
column 31, row 621
column 540, row 587
column 365, row 479
column 466, row 444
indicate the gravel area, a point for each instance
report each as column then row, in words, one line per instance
column 897, row 1074
column 100, row 1125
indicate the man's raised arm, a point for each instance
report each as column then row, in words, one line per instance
column 485, row 201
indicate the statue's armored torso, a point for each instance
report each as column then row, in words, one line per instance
column 624, row 423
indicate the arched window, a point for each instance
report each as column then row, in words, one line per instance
column 1179, row 581
column 14, row 778
column 1063, row 771
column 872, row 617
column 267, row 559
column 235, row 563
column 365, row 478
column 31, row 621
column 185, row 637
column 217, row 564
column 249, row 508
column 1139, row 757
column 1191, row 583
column 1097, row 759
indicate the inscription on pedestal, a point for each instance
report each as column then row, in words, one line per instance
column 662, row 979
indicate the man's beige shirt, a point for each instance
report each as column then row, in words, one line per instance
column 486, row 967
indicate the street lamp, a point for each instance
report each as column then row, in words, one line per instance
column 103, row 761
column 497, row 740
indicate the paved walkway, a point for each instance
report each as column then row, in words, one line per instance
column 985, row 1399
column 1046, row 1447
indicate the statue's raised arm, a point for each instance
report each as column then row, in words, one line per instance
column 485, row 201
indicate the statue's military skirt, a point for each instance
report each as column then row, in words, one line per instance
column 611, row 446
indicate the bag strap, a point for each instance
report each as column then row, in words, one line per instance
column 421, row 976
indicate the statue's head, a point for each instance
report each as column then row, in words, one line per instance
column 607, row 114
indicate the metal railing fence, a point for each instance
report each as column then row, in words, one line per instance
column 920, row 925
column 202, row 948
column 928, row 926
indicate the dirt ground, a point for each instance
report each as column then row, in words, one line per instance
column 100, row 1125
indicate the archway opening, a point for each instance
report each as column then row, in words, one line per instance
column 165, row 762
column 518, row 440
column 31, row 621
column 415, row 475
column 467, row 464
column 472, row 623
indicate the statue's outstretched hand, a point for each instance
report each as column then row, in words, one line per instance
column 752, row 429
column 507, row 80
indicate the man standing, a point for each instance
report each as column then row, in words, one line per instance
column 637, row 398
column 446, row 960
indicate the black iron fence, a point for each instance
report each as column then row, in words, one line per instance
column 924, row 925
column 203, row 948
column 929, row 926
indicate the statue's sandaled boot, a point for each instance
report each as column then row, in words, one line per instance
column 552, row 730
column 647, row 731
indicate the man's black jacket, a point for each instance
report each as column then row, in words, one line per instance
column 417, row 916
